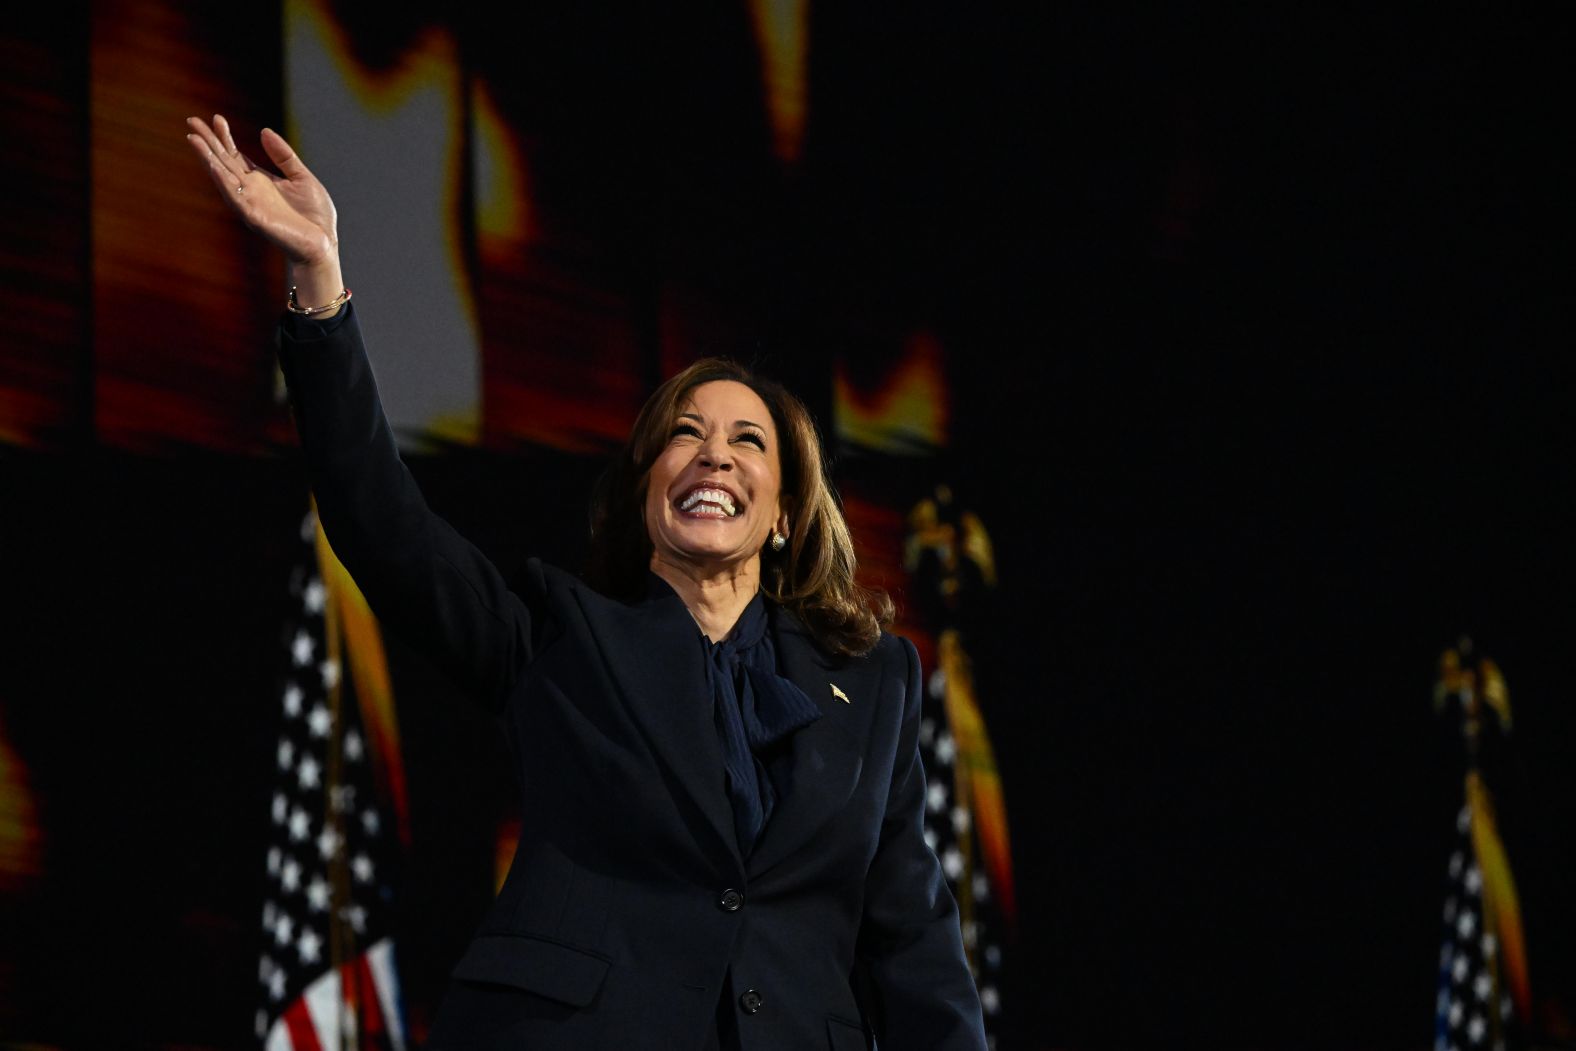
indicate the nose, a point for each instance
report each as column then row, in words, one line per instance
column 715, row 452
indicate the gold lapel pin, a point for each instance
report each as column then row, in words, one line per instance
column 839, row 694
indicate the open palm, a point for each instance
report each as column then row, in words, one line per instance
column 291, row 209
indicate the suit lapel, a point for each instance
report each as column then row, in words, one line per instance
column 654, row 652
column 827, row 754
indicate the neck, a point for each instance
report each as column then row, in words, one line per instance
column 714, row 596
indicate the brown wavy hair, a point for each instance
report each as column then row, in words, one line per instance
column 814, row 575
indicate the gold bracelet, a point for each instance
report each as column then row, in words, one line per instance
column 296, row 308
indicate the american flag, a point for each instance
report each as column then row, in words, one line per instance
column 1483, row 985
column 951, row 564
column 326, row 969
column 1473, row 1009
column 950, row 820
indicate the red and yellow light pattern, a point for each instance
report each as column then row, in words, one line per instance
column 977, row 779
column 352, row 629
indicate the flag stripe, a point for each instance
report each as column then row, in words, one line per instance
column 324, row 1000
column 380, row 964
column 279, row 1037
column 299, row 1024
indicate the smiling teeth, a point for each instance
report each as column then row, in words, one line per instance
column 709, row 496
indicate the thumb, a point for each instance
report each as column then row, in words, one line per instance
column 282, row 155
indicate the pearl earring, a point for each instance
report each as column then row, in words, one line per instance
column 778, row 541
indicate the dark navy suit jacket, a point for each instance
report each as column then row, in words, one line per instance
column 629, row 912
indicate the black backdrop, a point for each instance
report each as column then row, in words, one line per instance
column 1255, row 324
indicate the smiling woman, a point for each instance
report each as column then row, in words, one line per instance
column 716, row 424
column 712, row 497
column 766, row 882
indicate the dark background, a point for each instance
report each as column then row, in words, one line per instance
column 1255, row 342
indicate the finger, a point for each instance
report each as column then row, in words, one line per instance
column 200, row 148
column 200, row 128
column 216, row 150
column 226, row 164
column 197, row 131
column 282, row 155
column 227, row 140
column 204, row 150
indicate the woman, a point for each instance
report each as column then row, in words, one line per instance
column 716, row 744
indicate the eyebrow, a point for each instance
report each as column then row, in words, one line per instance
column 736, row 423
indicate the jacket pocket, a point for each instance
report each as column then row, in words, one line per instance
column 846, row 1036
column 547, row 968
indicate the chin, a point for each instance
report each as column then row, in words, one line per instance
column 707, row 555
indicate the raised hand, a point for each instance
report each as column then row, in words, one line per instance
column 290, row 209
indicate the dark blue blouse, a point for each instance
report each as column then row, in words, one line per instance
column 754, row 710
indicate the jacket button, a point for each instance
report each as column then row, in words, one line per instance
column 730, row 900
column 750, row 1001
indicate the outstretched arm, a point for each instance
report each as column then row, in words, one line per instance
column 910, row 941
column 433, row 587
column 429, row 584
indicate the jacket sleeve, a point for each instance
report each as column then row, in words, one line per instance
column 910, row 943
column 431, row 586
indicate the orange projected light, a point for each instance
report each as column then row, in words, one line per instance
column 906, row 412
column 389, row 141
column 363, row 651
column 878, row 540
column 503, row 851
column 977, row 781
column 561, row 354
column 501, row 192
column 43, row 238
column 183, row 297
column 21, row 839
column 781, row 32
